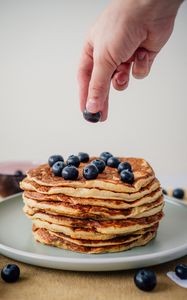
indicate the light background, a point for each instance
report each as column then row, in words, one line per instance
column 40, row 46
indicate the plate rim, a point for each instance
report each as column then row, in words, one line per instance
column 100, row 259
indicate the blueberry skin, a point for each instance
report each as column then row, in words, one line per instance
column 100, row 164
column 57, row 168
column 124, row 166
column 181, row 271
column 54, row 158
column 105, row 156
column 70, row 173
column 178, row 193
column 83, row 157
column 127, row 176
column 164, row 192
column 113, row 162
column 10, row 273
column 93, row 118
column 145, row 280
column 19, row 173
column 73, row 160
column 90, row 172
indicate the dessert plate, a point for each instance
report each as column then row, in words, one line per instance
column 16, row 242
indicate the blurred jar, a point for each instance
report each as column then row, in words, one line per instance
column 11, row 173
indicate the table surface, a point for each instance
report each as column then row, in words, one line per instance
column 40, row 283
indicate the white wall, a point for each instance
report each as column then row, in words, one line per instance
column 40, row 45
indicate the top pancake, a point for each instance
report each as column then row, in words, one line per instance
column 108, row 180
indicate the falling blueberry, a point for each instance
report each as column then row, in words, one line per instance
column 90, row 117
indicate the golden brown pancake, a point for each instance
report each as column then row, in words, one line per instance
column 115, row 204
column 29, row 185
column 95, row 212
column 47, row 237
column 108, row 180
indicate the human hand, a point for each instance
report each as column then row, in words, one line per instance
column 129, row 33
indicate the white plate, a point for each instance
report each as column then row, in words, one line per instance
column 16, row 242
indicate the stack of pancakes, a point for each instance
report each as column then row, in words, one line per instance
column 94, row 216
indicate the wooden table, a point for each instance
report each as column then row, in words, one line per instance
column 39, row 283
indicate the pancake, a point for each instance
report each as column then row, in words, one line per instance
column 116, row 204
column 114, row 241
column 29, row 185
column 108, row 180
column 86, row 229
column 96, row 212
column 47, row 237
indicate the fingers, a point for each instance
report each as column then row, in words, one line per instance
column 84, row 74
column 120, row 78
column 105, row 110
column 142, row 63
column 99, row 87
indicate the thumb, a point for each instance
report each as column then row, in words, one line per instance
column 99, row 86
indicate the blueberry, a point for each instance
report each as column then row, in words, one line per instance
column 145, row 280
column 113, row 162
column 100, row 164
column 10, row 273
column 127, row 176
column 19, row 173
column 73, row 160
column 178, row 193
column 124, row 166
column 94, row 118
column 181, row 271
column 83, row 157
column 54, row 158
column 90, row 171
column 70, row 173
column 105, row 156
column 164, row 192
column 57, row 168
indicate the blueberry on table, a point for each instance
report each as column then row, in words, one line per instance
column 54, row 158
column 178, row 193
column 90, row 172
column 127, row 176
column 57, row 168
column 70, row 173
column 181, row 271
column 90, row 117
column 164, row 192
column 100, row 164
column 105, row 156
column 145, row 280
column 73, row 160
column 113, row 162
column 10, row 273
column 124, row 166
column 83, row 157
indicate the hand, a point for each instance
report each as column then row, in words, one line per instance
column 130, row 33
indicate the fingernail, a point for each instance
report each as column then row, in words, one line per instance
column 92, row 106
column 141, row 55
column 121, row 82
